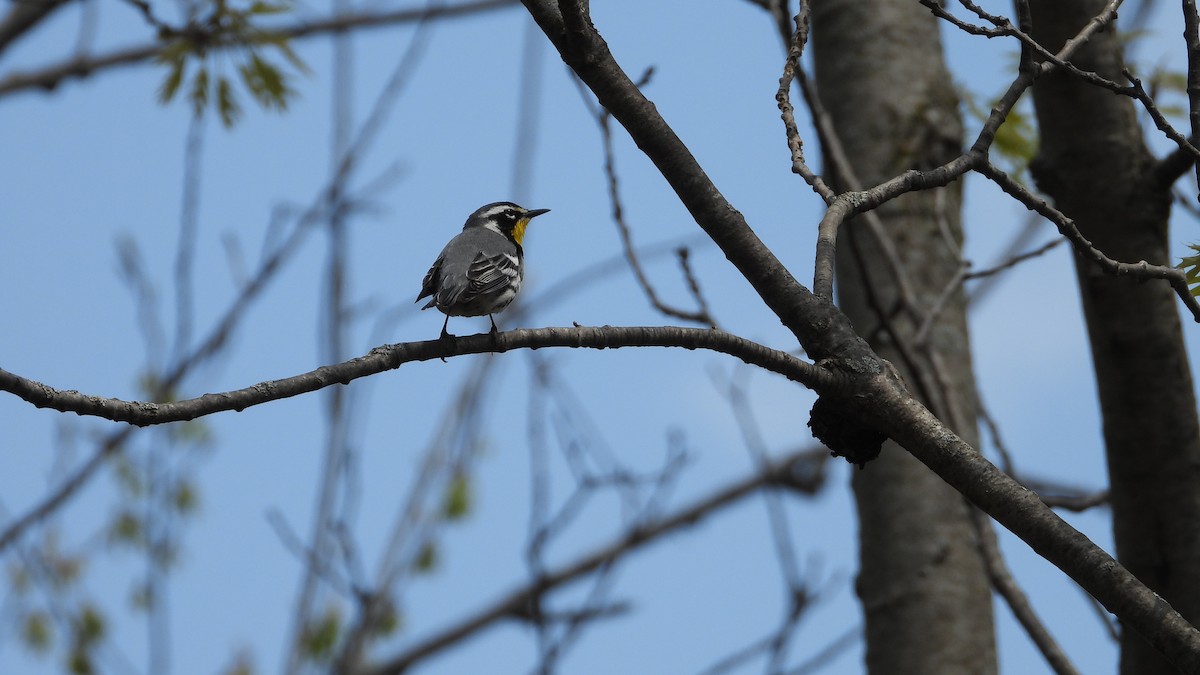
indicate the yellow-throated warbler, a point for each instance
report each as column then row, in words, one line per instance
column 480, row 270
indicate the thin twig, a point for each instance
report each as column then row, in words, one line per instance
column 693, row 284
column 783, row 99
column 49, row 77
column 836, row 647
column 1135, row 90
column 1018, row 602
column 604, row 122
column 1014, row 260
column 515, row 602
column 1076, row 503
column 1191, row 36
column 221, row 332
column 1141, row 271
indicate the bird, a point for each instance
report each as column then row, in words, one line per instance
column 480, row 270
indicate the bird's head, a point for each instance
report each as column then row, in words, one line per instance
column 504, row 218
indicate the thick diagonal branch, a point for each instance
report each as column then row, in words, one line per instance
column 878, row 399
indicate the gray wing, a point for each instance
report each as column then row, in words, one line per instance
column 486, row 276
column 429, row 285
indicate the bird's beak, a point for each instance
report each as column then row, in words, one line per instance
column 534, row 213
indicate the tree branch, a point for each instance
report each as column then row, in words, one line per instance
column 879, row 399
column 790, row 472
column 820, row 328
column 1022, row 513
column 1191, row 36
column 390, row 357
column 1141, row 270
column 1004, row 584
column 50, row 77
column 791, row 70
column 23, row 17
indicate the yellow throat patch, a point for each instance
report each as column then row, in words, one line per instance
column 518, row 231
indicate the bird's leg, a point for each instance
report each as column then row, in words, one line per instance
column 495, row 333
column 445, row 333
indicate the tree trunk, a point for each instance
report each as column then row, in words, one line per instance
column 1095, row 165
column 922, row 584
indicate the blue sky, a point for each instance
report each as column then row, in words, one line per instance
column 99, row 159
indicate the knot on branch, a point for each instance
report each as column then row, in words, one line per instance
column 845, row 434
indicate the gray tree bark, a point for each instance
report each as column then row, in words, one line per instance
column 1095, row 165
column 923, row 587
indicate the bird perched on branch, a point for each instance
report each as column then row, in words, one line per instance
column 480, row 270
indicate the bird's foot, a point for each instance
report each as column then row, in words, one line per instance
column 445, row 337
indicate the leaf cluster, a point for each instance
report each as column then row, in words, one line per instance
column 191, row 56
column 1191, row 267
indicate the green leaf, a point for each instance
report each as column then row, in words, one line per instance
column 1170, row 80
column 65, row 570
column 89, row 625
column 227, row 104
column 175, row 51
column 321, row 636
column 1016, row 141
column 126, row 528
column 37, row 631
column 225, row 26
column 80, row 662
column 427, row 559
column 18, row 578
column 242, row 664
column 266, row 82
column 184, row 500
column 259, row 7
column 170, row 85
column 199, row 93
column 457, row 503
column 1191, row 269
column 285, row 48
column 388, row 621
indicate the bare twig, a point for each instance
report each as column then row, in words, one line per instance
column 1013, row 261
column 1004, row 27
column 693, row 284
column 217, row 337
column 517, row 602
column 821, row 331
column 1068, row 499
column 783, row 98
column 22, row 17
column 819, row 661
column 785, row 548
column 1191, row 36
column 1140, row 270
column 50, row 77
column 143, row 7
column 332, row 335
column 1018, row 602
column 1052, row 494
column 604, row 122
